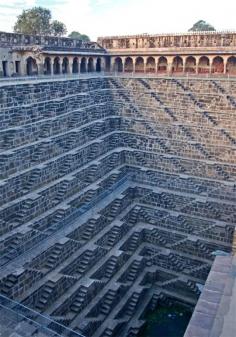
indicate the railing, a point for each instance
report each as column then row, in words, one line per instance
column 208, row 76
column 14, row 253
column 18, row 312
column 103, row 74
column 51, row 77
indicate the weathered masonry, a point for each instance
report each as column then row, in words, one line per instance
column 199, row 52
column 22, row 55
column 191, row 53
column 116, row 194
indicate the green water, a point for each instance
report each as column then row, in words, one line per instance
column 167, row 322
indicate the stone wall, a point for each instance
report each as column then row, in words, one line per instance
column 116, row 193
column 22, row 55
column 14, row 39
column 192, row 53
column 186, row 40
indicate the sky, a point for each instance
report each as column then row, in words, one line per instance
column 123, row 17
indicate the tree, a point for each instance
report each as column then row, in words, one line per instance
column 58, row 28
column 78, row 36
column 84, row 37
column 33, row 21
column 37, row 21
column 201, row 26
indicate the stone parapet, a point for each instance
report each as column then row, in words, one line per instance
column 14, row 39
column 185, row 40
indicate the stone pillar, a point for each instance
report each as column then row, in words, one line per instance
column 144, row 64
column 210, row 65
column 11, row 68
column 169, row 64
column 123, row 63
column 70, row 66
column 1, row 70
column 103, row 64
column 134, row 64
column 20, row 68
column 184, row 63
column 60, row 66
column 157, row 63
column 51, row 68
column 40, row 68
column 24, row 67
column 86, row 65
column 225, row 63
column 197, row 62
column 112, row 64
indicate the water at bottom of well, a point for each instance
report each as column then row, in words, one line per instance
column 167, row 322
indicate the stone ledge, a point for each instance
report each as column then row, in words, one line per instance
column 215, row 312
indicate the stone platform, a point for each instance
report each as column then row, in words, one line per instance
column 215, row 312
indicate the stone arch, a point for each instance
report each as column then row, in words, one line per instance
column 151, row 65
column 83, row 68
column 190, row 64
column 47, row 66
column 177, row 65
column 31, row 66
column 65, row 65
column 98, row 65
column 139, row 65
column 75, row 65
column 218, row 65
column 118, row 65
column 162, row 65
column 231, row 65
column 129, row 65
column 56, row 66
column 90, row 65
column 204, row 65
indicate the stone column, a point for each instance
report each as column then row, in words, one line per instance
column 103, row 64
column 123, row 64
column 24, row 67
column 134, row 64
column 184, row 63
column 70, row 66
column 1, row 70
column 169, row 64
column 40, row 68
column 197, row 62
column 51, row 68
column 11, row 68
column 60, row 66
column 112, row 64
column 210, row 65
column 86, row 65
column 145, row 64
column 225, row 63
column 7, row 68
column 157, row 65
